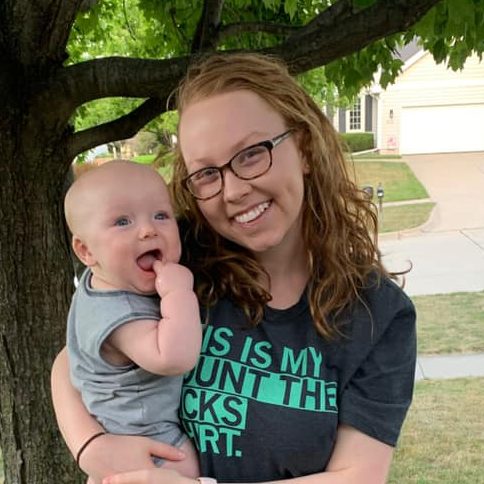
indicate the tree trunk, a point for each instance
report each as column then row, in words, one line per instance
column 35, row 289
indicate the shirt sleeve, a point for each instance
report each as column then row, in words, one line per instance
column 377, row 397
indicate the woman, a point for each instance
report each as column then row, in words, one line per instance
column 308, row 359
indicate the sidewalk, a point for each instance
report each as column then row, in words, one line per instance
column 447, row 253
column 449, row 366
column 440, row 262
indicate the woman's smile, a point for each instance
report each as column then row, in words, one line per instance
column 252, row 214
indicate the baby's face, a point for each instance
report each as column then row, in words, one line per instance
column 131, row 225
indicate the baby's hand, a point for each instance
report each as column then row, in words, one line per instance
column 172, row 277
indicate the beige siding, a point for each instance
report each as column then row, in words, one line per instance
column 425, row 83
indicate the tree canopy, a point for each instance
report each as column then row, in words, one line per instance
column 58, row 57
column 353, row 40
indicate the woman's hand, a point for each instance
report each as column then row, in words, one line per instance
column 149, row 476
column 110, row 454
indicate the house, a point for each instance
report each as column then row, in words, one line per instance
column 429, row 108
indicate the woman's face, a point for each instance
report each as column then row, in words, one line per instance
column 261, row 214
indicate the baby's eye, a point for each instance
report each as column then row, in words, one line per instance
column 161, row 216
column 122, row 221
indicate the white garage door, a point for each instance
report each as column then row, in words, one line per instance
column 442, row 129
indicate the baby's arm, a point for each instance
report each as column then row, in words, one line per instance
column 170, row 346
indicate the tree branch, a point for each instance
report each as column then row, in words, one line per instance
column 206, row 36
column 342, row 30
column 122, row 128
column 248, row 27
column 115, row 76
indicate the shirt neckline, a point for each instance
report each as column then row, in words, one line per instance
column 275, row 314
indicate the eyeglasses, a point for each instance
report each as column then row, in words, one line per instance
column 249, row 163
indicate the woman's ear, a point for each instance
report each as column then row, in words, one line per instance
column 305, row 166
column 304, row 163
column 82, row 251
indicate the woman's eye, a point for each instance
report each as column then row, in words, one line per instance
column 161, row 216
column 122, row 221
column 207, row 175
column 252, row 155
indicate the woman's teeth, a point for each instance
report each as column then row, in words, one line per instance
column 252, row 214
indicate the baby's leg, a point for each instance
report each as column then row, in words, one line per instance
column 187, row 467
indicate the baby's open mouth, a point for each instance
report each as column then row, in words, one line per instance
column 145, row 261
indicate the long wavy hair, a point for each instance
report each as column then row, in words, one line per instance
column 339, row 223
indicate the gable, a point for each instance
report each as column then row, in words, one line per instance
column 422, row 68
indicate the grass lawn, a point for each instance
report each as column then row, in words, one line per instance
column 443, row 437
column 442, row 440
column 397, row 179
column 450, row 323
column 375, row 156
column 402, row 217
column 144, row 159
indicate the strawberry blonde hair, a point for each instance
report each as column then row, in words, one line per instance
column 339, row 224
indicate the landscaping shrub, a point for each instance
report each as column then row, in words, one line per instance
column 354, row 142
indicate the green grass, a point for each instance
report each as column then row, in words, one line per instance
column 450, row 323
column 144, row 159
column 442, row 440
column 397, row 179
column 375, row 156
column 403, row 217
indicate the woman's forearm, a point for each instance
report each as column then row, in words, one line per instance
column 75, row 422
column 162, row 476
column 105, row 455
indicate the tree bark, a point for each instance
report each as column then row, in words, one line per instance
column 35, row 288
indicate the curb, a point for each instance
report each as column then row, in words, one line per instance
column 414, row 231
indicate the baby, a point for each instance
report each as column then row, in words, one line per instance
column 134, row 324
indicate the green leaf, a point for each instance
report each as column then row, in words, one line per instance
column 290, row 7
column 439, row 51
column 270, row 4
column 458, row 56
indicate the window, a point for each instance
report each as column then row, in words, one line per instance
column 355, row 123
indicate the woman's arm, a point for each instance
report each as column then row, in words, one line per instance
column 75, row 423
column 357, row 459
column 106, row 454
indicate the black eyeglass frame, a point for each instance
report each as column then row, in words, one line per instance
column 270, row 144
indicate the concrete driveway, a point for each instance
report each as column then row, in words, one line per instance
column 456, row 183
column 447, row 252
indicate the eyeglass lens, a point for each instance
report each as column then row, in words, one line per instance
column 248, row 164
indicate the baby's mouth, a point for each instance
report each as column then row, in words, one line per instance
column 145, row 261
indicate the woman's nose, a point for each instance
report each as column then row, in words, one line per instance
column 234, row 188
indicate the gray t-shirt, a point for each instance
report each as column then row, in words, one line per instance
column 124, row 399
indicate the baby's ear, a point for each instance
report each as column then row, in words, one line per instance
column 82, row 251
